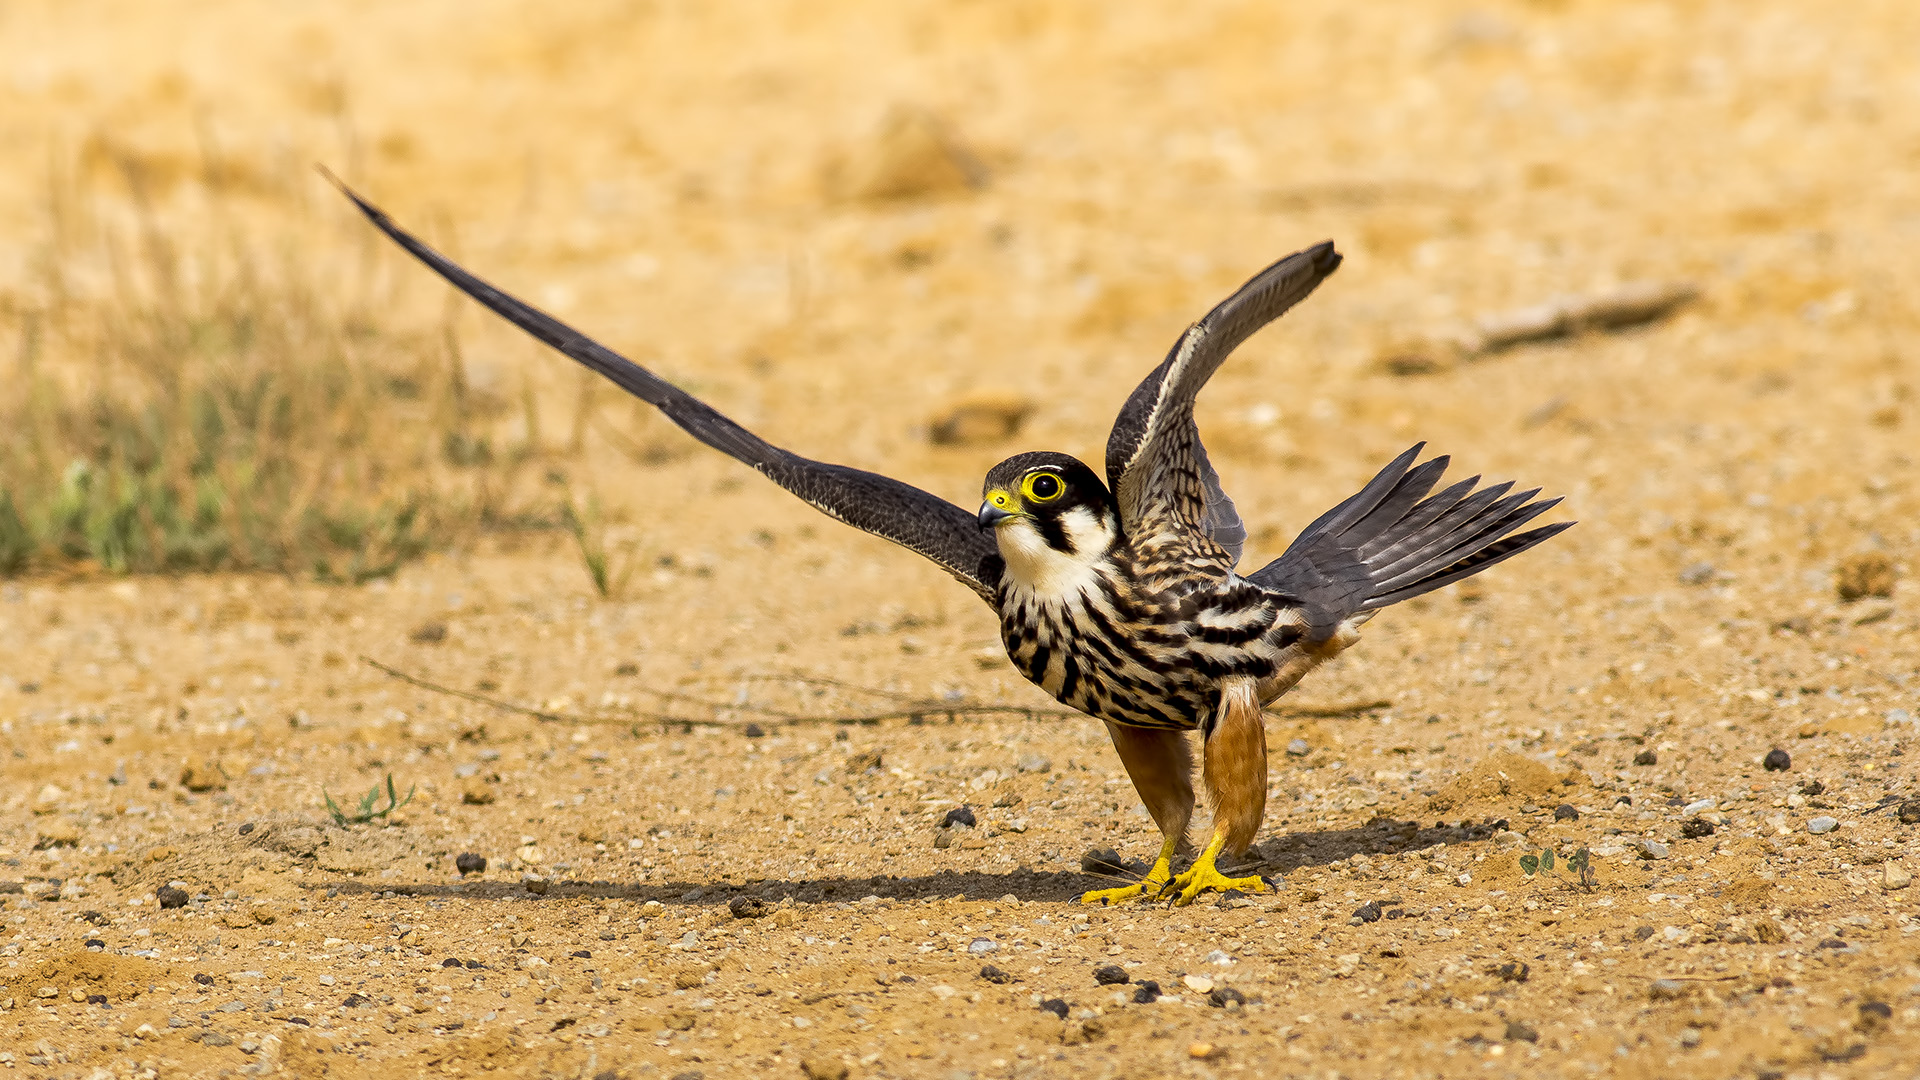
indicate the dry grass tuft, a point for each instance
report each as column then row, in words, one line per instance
column 215, row 403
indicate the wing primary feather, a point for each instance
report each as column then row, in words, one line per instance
column 900, row 512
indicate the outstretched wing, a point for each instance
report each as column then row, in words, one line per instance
column 1155, row 464
column 1390, row 542
column 885, row 507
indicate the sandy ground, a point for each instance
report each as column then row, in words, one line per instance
column 836, row 221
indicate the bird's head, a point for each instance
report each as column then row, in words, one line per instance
column 1045, row 508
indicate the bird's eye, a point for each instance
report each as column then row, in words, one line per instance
column 1044, row 487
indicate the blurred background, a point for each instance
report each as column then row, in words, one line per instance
column 1657, row 256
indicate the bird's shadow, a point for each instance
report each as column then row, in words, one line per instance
column 1280, row 854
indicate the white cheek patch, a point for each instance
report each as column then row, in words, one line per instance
column 1044, row 570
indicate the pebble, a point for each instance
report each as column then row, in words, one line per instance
column 1115, row 975
column 1222, row 996
column 1102, row 861
column 1565, row 812
column 1055, row 1006
column 1218, row 958
column 959, row 815
column 1368, row 912
column 815, row 1068
column 1299, row 748
column 171, row 897
column 1777, row 760
column 1666, row 989
column 535, row 884
column 995, row 976
column 749, row 907
column 1646, row 757
column 981, row 946
column 1199, row 984
column 1650, row 849
column 469, row 863
column 1202, row 1051
column 1822, row 824
column 1519, row 1032
column 1909, row 812
column 1034, row 763
column 754, row 731
column 1895, row 877
column 1697, row 828
column 1146, row 993
column 1698, row 806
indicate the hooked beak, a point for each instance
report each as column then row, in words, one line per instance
column 991, row 515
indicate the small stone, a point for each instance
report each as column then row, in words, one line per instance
column 1690, row 1038
column 749, row 907
column 1368, row 912
column 1219, row 959
column 1909, row 812
column 535, row 884
column 1565, row 812
column 943, row 839
column 203, row 978
column 1203, row 1051
column 1666, row 989
column 1031, row 762
column 1813, row 787
column 1698, row 574
column 171, row 897
column 469, row 863
column 1055, row 1006
column 1650, row 849
column 1115, row 975
column 754, row 731
column 816, row 1068
column 1103, row 861
column 1199, row 984
column 1777, row 760
column 57, row 832
column 1519, row 1032
column 1868, row 574
column 215, row 1038
column 1299, row 748
column 1822, row 824
column 995, row 976
column 959, row 815
column 1646, row 757
column 450, row 962
column 981, row 946
column 475, row 791
column 355, row 1001
column 1146, row 993
column 1895, row 877
column 1515, row 971
column 246, row 828
column 1222, row 996
column 1697, row 806
column 678, row 1020
column 1695, row 829
column 1874, row 1015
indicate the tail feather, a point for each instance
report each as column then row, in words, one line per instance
column 1392, row 541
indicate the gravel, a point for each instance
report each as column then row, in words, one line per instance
column 1565, row 812
column 1822, row 824
column 171, row 897
column 1111, row 975
column 1368, row 912
column 1146, row 993
column 1777, row 760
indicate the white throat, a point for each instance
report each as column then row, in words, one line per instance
column 1047, row 572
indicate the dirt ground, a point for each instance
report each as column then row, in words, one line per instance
column 836, row 221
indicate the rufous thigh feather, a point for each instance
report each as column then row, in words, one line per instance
column 1160, row 764
column 1236, row 766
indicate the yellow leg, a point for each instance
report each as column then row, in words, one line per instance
column 1203, row 875
column 1150, row 885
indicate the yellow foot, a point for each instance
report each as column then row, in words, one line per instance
column 1203, row 875
column 1148, row 886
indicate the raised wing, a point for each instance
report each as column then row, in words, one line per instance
column 1155, row 464
column 1391, row 542
column 885, row 507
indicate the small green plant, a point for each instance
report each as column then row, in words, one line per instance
column 1580, row 864
column 369, row 808
column 608, row 569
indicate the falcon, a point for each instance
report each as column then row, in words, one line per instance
column 1120, row 596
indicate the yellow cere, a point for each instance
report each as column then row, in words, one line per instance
column 1000, row 499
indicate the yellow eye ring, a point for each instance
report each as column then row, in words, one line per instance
column 1042, row 487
